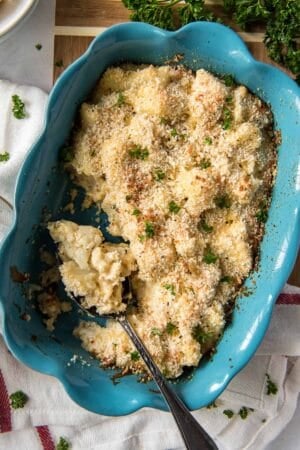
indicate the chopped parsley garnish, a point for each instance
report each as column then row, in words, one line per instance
column 228, row 80
column 262, row 215
column 139, row 152
column 135, row 356
column 171, row 328
column 175, row 133
column 155, row 332
column 229, row 413
column 226, row 279
column 159, row 175
column 229, row 99
column 222, row 201
column 59, row 63
column 212, row 405
column 4, row 157
column 62, row 444
column 18, row 108
column 18, row 399
column 227, row 119
column 149, row 229
column 170, row 288
column 201, row 336
column 136, row 212
column 209, row 257
column 66, row 154
column 121, row 99
column 208, row 140
column 128, row 198
column 164, row 121
column 203, row 226
column 244, row 411
column 272, row 389
column 38, row 46
column 204, row 163
column 174, row 208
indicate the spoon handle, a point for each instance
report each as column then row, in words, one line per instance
column 194, row 436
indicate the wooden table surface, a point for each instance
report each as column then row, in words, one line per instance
column 79, row 21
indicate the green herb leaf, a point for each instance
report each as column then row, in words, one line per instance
column 193, row 10
column 204, row 163
column 243, row 412
column 272, row 389
column 226, row 279
column 59, row 63
column 212, row 405
column 164, row 121
column 156, row 13
column 209, row 257
column 228, row 80
column 38, row 46
column 208, row 140
column 18, row 399
column 18, row 108
column 229, row 413
column 171, row 328
column 149, row 229
column 227, row 119
column 171, row 288
column 155, row 332
column 138, row 152
column 66, row 154
column 174, row 133
column 159, row 175
column 136, row 212
column 203, row 226
column 4, row 156
column 62, row 444
column 135, row 356
column 262, row 215
column 174, row 208
column 200, row 335
column 121, row 99
column 222, row 201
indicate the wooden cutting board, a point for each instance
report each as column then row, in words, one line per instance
column 79, row 21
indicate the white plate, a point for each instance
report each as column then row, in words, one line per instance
column 12, row 15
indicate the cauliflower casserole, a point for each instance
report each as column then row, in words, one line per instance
column 183, row 164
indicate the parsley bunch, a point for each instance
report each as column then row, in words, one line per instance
column 280, row 17
column 282, row 21
column 163, row 13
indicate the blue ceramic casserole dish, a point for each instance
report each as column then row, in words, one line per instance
column 42, row 187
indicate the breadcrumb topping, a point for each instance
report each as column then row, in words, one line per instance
column 183, row 165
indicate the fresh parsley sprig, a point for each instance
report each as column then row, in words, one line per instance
column 280, row 17
column 168, row 14
column 282, row 21
column 18, row 107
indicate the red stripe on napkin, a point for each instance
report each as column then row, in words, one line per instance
column 288, row 299
column 45, row 437
column 5, row 413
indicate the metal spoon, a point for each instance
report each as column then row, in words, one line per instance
column 194, row 436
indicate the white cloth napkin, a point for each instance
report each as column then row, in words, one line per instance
column 50, row 413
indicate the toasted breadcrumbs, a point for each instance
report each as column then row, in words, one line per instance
column 181, row 163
